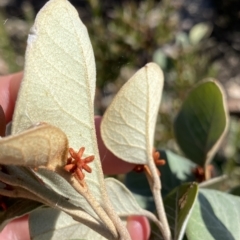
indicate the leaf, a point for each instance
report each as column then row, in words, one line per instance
column 25, row 178
column 179, row 204
column 8, row 129
column 128, row 124
column 122, row 199
column 41, row 145
column 19, row 208
column 60, row 186
column 160, row 58
column 2, row 122
column 199, row 32
column 202, row 122
column 49, row 223
column 217, row 183
column 59, row 82
column 176, row 171
column 215, row 215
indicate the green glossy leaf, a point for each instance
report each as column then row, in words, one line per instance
column 176, row 171
column 216, row 215
column 202, row 122
column 178, row 206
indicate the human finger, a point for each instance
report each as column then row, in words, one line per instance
column 138, row 227
column 17, row 229
column 9, row 86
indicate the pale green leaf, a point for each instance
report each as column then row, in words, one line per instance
column 121, row 198
column 216, row 215
column 60, row 186
column 160, row 58
column 24, row 177
column 128, row 124
column 199, row 32
column 48, row 223
column 123, row 201
column 53, row 197
column 217, row 183
column 59, row 82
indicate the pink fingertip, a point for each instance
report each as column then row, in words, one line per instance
column 138, row 227
column 17, row 229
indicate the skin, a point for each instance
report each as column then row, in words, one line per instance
column 18, row 229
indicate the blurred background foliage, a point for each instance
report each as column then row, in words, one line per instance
column 190, row 40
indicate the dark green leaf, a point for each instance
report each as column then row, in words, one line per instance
column 178, row 206
column 202, row 122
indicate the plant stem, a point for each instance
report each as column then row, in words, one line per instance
column 155, row 184
column 122, row 230
column 84, row 191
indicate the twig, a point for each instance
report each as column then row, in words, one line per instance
column 155, row 186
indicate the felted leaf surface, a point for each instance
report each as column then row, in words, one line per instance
column 176, row 171
column 202, row 122
column 41, row 145
column 122, row 199
column 59, row 81
column 128, row 124
column 26, row 178
column 59, row 185
column 217, row 183
column 48, row 223
column 178, row 205
column 216, row 215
